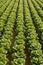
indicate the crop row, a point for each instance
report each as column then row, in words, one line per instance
column 29, row 30
column 3, row 8
column 6, row 38
column 19, row 44
column 40, row 4
column 41, row 1
column 36, row 20
column 4, row 17
column 38, row 8
column 32, row 41
column 2, row 3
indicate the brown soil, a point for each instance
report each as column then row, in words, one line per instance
column 27, row 56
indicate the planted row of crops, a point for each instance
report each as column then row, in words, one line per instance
column 32, row 41
column 21, row 23
column 18, row 55
column 39, row 10
column 41, row 1
column 36, row 20
column 4, row 17
column 40, row 4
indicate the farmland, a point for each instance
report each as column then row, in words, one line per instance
column 21, row 32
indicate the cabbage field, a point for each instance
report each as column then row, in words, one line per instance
column 21, row 32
